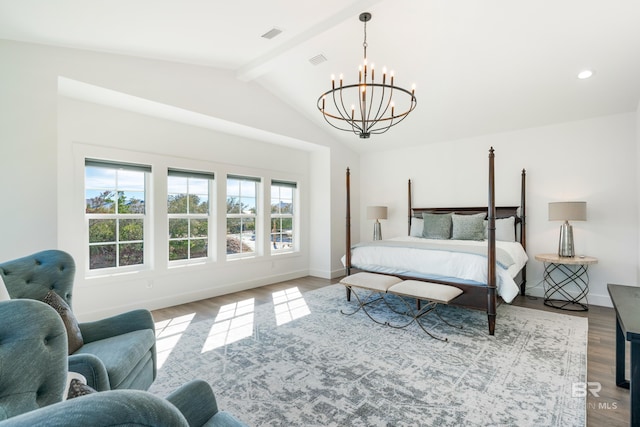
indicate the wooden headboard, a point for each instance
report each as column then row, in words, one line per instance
column 518, row 212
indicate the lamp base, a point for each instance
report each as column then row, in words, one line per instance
column 565, row 244
column 377, row 231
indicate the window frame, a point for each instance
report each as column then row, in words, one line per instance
column 256, row 217
column 147, row 244
column 293, row 247
column 210, row 238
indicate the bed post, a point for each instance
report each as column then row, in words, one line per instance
column 409, row 213
column 491, row 236
column 348, row 232
column 523, row 228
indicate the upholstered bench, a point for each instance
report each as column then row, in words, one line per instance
column 380, row 285
column 433, row 293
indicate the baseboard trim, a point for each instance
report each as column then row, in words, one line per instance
column 183, row 298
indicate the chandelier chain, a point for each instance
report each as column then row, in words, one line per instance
column 364, row 44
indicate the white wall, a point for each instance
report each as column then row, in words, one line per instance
column 593, row 160
column 638, row 177
column 94, row 131
column 29, row 141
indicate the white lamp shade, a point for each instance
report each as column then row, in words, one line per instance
column 376, row 212
column 568, row 211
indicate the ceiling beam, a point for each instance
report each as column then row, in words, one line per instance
column 263, row 64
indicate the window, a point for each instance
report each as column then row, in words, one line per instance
column 282, row 224
column 241, row 215
column 115, row 200
column 188, row 212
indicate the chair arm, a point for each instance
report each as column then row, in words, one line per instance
column 117, row 325
column 110, row 408
column 93, row 370
column 196, row 401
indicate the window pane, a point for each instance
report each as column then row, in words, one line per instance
column 131, row 229
column 178, row 228
column 198, row 203
column 286, row 207
column 131, row 254
column 275, row 206
column 177, row 204
column 130, row 180
column 99, row 178
column 233, row 205
column 102, row 256
column 198, row 186
column 248, row 205
column 234, row 242
column 176, row 184
column 199, row 228
column 199, row 248
column 233, row 226
column 248, row 234
column 102, row 230
column 99, row 201
column 178, row 249
column 248, row 188
column 233, row 187
column 286, row 193
column 131, row 202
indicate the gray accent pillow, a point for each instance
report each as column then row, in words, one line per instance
column 70, row 323
column 468, row 227
column 436, row 226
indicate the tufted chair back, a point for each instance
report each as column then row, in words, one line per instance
column 34, row 275
column 33, row 357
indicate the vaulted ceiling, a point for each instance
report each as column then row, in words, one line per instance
column 480, row 67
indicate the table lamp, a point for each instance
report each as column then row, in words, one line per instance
column 377, row 213
column 567, row 211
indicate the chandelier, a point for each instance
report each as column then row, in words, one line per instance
column 373, row 108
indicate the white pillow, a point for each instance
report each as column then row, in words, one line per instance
column 4, row 294
column 417, row 224
column 505, row 229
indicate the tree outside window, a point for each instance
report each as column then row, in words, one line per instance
column 115, row 212
column 242, row 212
column 188, row 212
column 282, row 216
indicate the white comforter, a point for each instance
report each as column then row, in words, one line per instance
column 442, row 263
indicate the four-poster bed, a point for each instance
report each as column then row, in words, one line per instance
column 481, row 269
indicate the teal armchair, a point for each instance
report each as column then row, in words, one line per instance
column 33, row 380
column 118, row 352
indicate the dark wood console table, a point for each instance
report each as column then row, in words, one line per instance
column 626, row 301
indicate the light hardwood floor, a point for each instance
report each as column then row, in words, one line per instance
column 610, row 409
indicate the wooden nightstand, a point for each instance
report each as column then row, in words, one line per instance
column 562, row 271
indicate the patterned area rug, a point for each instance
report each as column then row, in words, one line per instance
column 300, row 362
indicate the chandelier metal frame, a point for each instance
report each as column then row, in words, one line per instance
column 376, row 110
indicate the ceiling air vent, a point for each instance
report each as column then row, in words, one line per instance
column 271, row 33
column 318, row 59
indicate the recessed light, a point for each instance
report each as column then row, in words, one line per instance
column 585, row 74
